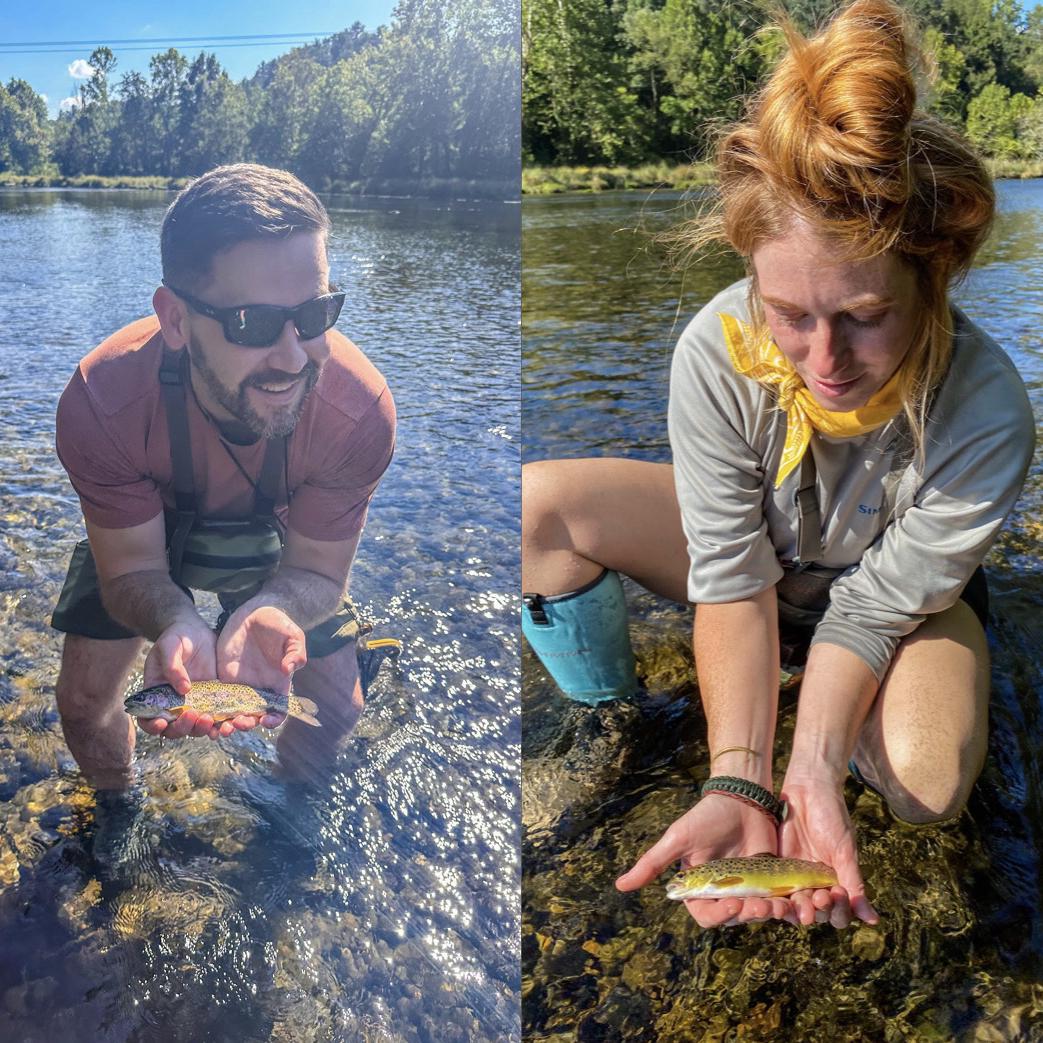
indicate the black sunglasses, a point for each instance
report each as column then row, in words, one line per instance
column 260, row 325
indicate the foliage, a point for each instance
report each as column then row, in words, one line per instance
column 609, row 81
column 993, row 117
column 24, row 133
column 428, row 102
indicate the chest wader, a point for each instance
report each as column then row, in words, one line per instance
column 234, row 557
column 230, row 557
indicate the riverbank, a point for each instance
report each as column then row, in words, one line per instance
column 427, row 188
column 546, row 181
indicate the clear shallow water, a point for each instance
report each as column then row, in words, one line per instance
column 385, row 907
column 958, row 954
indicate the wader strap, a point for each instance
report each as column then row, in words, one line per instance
column 171, row 379
column 267, row 489
column 809, row 516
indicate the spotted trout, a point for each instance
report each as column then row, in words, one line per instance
column 219, row 699
column 760, row 876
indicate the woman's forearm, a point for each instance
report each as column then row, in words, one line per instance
column 737, row 660
column 835, row 696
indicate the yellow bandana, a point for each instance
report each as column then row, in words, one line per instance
column 766, row 364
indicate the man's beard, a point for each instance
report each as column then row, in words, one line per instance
column 282, row 421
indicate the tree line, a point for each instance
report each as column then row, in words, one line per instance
column 431, row 98
column 633, row 81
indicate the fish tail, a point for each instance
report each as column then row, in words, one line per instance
column 307, row 705
column 306, row 717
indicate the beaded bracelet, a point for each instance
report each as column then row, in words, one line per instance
column 748, row 792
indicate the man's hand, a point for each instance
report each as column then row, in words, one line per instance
column 818, row 829
column 183, row 653
column 260, row 647
column 717, row 827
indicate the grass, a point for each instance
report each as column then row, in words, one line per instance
column 545, row 181
column 9, row 180
column 439, row 188
column 1015, row 168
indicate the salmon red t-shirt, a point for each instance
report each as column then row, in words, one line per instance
column 112, row 438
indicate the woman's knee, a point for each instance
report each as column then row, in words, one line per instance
column 921, row 793
column 544, row 488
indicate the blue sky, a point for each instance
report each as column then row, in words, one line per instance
column 30, row 21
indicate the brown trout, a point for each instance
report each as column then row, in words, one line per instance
column 759, row 876
column 221, row 700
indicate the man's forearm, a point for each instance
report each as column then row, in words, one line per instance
column 737, row 658
column 146, row 602
column 835, row 696
column 306, row 597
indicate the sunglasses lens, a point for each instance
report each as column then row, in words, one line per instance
column 254, row 327
column 260, row 325
column 316, row 317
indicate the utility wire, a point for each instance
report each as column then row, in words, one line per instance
column 155, row 47
column 154, row 39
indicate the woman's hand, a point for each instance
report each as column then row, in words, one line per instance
column 717, row 827
column 818, row 829
column 183, row 653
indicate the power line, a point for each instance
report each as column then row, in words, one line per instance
column 154, row 39
column 155, row 47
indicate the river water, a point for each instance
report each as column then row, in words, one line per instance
column 383, row 908
column 959, row 951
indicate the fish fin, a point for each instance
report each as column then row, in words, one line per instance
column 306, row 717
column 728, row 881
column 177, row 709
column 781, row 892
column 765, row 854
column 307, row 705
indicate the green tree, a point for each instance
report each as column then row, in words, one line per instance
column 167, row 72
column 702, row 55
column 1029, row 128
column 992, row 120
column 577, row 101
column 944, row 98
column 85, row 144
column 25, row 136
column 285, row 104
column 347, row 104
column 131, row 150
column 212, row 127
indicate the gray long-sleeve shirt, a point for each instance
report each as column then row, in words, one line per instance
column 908, row 539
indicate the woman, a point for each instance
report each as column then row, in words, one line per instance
column 847, row 445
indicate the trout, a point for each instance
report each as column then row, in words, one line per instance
column 759, row 876
column 221, row 700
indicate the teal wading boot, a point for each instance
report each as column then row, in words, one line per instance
column 582, row 639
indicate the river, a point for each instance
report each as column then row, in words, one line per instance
column 384, row 907
column 959, row 951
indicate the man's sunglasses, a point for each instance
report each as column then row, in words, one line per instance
column 261, row 325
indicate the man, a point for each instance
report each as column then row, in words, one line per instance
column 199, row 439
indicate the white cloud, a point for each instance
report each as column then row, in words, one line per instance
column 67, row 104
column 80, row 70
column 45, row 98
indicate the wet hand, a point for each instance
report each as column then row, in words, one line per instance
column 261, row 647
column 717, row 827
column 818, row 829
column 183, row 653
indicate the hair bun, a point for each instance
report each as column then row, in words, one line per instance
column 835, row 116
